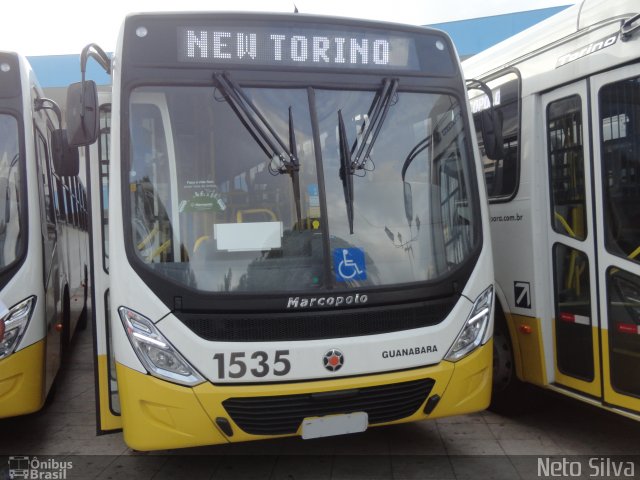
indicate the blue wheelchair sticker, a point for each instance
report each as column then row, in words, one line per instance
column 349, row 264
column 312, row 190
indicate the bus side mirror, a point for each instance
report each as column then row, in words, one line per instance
column 66, row 159
column 82, row 113
column 491, row 126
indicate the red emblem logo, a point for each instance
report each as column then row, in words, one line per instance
column 333, row 360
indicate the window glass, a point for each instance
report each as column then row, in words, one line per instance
column 45, row 173
column 218, row 214
column 412, row 205
column 620, row 146
column 223, row 215
column 10, row 192
column 566, row 167
column 104, row 158
column 501, row 176
column 623, row 304
column 574, row 343
column 68, row 199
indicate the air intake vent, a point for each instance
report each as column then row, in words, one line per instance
column 281, row 415
column 316, row 325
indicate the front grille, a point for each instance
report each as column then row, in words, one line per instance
column 316, row 325
column 281, row 415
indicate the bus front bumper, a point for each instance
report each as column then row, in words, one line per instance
column 22, row 381
column 161, row 415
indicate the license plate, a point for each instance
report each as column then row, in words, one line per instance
column 332, row 425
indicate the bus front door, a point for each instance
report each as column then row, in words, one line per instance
column 97, row 165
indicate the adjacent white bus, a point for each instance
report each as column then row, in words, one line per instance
column 43, row 240
column 565, row 205
column 297, row 231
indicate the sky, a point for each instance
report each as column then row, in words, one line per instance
column 46, row 27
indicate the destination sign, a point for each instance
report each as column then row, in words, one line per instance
column 309, row 47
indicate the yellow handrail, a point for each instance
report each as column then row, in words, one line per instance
column 565, row 224
column 148, row 238
column 159, row 251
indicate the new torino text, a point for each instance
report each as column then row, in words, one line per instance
column 295, row 48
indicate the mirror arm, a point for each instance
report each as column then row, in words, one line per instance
column 98, row 54
column 474, row 84
column 495, row 151
column 94, row 51
column 48, row 104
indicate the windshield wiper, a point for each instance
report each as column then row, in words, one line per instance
column 346, row 170
column 283, row 158
column 355, row 158
column 294, row 171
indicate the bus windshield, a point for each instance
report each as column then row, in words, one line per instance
column 10, row 186
column 213, row 202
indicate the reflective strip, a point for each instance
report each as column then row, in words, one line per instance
column 571, row 318
column 631, row 328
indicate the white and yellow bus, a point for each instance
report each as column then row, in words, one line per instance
column 297, row 236
column 565, row 205
column 43, row 240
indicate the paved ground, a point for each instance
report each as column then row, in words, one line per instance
column 483, row 445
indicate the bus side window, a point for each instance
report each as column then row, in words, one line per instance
column 103, row 157
column 10, row 200
column 45, row 172
column 501, row 176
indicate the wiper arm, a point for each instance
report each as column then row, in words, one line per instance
column 244, row 115
column 346, row 170
column 264, row 134
column 370, row 130
column 294, row 170
column 254, row 121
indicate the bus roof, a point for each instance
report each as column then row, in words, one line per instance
column 564, row 28
column 17, row 75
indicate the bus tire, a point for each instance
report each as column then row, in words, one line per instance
column 51, row 394
column 65, row 335
column 84, row 315
column 508, row 393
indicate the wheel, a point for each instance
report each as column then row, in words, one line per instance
column 509, row 396
column 84, row 320
column 65, row 335
column 503, row 364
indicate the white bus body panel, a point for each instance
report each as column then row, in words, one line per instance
column 575, row 52
column 29, row 279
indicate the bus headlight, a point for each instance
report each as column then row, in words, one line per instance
column 15, row 323
column 474, row 328
column 155, row 352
